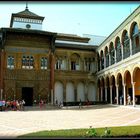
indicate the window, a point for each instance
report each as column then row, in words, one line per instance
column 126, row 45
column 75, row 61
column 58, row 63
column 135, row 39
column 10, row 62
column 73, row 65
column 98, row 59
column 43, row 63
column 27, row 62
column 107, row 57
column 118, row 50
column 112, row 53
column 88, row 64
column 102, row 60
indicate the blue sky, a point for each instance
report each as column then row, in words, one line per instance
column 96, row 18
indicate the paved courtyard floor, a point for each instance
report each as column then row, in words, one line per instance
column 15, row 123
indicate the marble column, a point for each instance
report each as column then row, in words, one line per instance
column 133, row 89
column 105, row 93
column 124, row 93
column 130, row 42
column 122, row 50
column 111, row 94
column 117, row 93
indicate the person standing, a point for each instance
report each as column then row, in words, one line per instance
column 23, row 103
column 120, row 100
column 80, row 104
column 129, row 100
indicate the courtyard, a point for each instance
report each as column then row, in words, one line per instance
column 16, row 123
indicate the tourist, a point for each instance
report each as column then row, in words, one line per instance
column 23, row 104
column 129, row 99
column 80, row 104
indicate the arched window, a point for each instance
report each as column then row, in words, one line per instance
column 118, row 50
column 98, row 59
column 10, row 62
column 102, row 60
column 107, row 56
column 75, row 62
column 43, row 63
column 58, row 63
column 88, row 64
column 135, row 39
column 112, row 53
column 126, row 45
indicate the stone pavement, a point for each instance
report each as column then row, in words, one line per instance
column 15, row 123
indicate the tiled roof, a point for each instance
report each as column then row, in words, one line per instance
column 27, row 13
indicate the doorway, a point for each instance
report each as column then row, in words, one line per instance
column 27, row 95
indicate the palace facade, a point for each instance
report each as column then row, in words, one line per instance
column 37, row 64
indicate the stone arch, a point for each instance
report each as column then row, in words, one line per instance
column 131, row 27
column 119, row 81
column 128, row 83
column 107, row 81
column 113, row 83
column 125, row 75
column 136, row 80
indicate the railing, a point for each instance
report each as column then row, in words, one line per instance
column 135, row 50
column 118, row 58
column 126, row 54
column 112, row 61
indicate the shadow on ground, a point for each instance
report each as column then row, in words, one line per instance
column 52, row 107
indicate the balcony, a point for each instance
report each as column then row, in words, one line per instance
column 131, row 60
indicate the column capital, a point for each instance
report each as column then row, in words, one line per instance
column 117, row 85
column 111, row 86
column 133, row 83
column 124, row 84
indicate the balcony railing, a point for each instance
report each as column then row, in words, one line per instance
column 126, row 54
column 119, row 58
column 112, row 61
column 135, row 50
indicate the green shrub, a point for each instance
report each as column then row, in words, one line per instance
column 107, row 132
column 91, row 132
